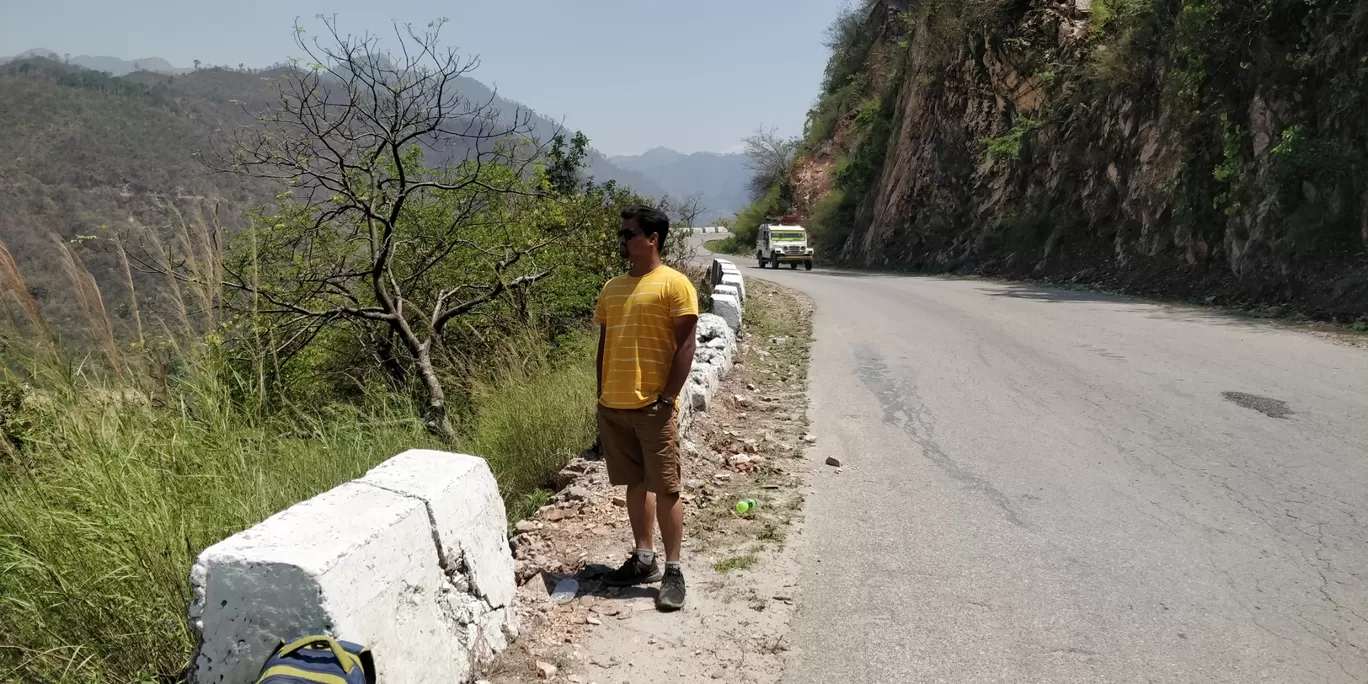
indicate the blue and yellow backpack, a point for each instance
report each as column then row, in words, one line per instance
column 319, row 660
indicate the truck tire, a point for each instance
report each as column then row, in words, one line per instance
column 807, row 264
column 774, row 261
column 761, row 258
column 793, row 265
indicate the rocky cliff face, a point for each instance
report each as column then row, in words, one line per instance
column 1182, row 147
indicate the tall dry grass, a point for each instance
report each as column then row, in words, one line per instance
column 87, row 294
column 120, row 478
column 13, row 288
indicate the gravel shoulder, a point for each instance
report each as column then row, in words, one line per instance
column 741, row 569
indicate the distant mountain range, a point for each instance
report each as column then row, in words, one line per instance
column 598, row 166
column 111, row 65
column 719, row 178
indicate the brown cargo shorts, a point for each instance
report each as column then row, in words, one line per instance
column 641, row 445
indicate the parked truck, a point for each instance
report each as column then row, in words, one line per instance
column 783, row 241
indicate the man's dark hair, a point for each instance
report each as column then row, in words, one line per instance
column 649, row 220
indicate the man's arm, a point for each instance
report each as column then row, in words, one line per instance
column 598, row 373
column 685, row 344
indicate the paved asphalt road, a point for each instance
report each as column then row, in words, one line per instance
column 1054, row 486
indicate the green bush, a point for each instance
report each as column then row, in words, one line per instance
column 749, row 219
column 833, row 107
column 1300, row 158
column 531, row 417
column 1113, row 15
column 1009, row 146
column 729, row 245
column 832, row 221
column 849, row 39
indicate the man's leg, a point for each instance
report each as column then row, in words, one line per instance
column 658, row 435
column 623, row 457
column 670, row 511
column 641, row 508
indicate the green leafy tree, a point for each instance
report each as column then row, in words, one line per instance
column 564, row 164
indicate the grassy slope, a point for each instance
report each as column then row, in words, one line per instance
column 110, row 498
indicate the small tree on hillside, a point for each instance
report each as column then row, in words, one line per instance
column 687, row 210
column 410, row 206
column 769, row 157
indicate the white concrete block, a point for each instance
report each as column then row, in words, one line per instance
column 735, row 280
column 705, row 379
column 467, row 512
column 684, row 409
column 711, row 362
column 356, row 562
column 412, row 560
column 710, row 327
column 716, row 270
column 726, row 290
column 716, row 357
column 729, row 308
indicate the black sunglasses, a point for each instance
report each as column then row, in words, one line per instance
column 627, row 233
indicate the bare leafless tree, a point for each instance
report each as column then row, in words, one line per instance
column 687, row 210
column 769, row 157
column 407, row 204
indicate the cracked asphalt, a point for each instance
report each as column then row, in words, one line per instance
column 1044, row 485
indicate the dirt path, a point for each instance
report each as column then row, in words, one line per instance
column 741, row 569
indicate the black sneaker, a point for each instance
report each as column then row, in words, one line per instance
column 632, row 573
column 671, row 590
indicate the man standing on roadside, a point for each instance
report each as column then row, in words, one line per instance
column 646, row 347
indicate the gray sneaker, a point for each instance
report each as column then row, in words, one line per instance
column 671, row 590
column 632, row 573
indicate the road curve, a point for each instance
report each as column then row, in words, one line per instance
column 1044, row 485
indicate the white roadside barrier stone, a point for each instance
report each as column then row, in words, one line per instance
column 469, row 525
column 726, row 273
column 726, row 290
column 412, row 560
column 712, row 360
column 729, row 308
column 721, row 267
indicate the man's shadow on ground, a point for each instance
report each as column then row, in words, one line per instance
column 588, row 577
column 588, row 583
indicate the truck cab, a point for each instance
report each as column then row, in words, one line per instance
column 783, row 242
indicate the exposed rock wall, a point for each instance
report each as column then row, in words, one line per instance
column 1224, row 157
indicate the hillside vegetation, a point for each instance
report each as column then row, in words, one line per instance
column 86, row 154
column 183, row 353
column 1194, row 148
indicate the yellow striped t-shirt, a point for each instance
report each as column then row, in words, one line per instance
column 639, row 343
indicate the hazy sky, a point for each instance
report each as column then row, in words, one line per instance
column 693, row 76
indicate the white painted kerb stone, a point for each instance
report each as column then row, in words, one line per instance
column 721, row 269
column 726, row 290
column 729, row 308
column 406, row 560
column 712, row 360
column 468, row 515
